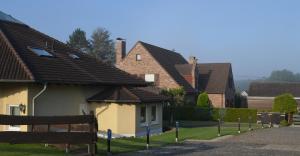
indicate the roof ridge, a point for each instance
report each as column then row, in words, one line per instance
column 160, row 48
column 20, row 60
column 129, row 92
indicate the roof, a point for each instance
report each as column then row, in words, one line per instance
column 213, row 77
column 272, row 89
column 8, row 18
column 169, row 60
column 184, row 69
column 19, row 63
column 126, row 95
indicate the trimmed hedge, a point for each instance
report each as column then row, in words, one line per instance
column 202, row 114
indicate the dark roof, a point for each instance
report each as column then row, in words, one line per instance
column 168, row 60
column 272, row 89
column 184, row 69
column 213, row 77
column 126, row 95
column 18, row 62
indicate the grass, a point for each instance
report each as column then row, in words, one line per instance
column 123, row 145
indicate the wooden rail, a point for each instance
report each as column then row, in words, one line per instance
column 68, row 137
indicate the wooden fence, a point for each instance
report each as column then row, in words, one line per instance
column 50, row 137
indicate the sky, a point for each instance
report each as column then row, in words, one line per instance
column 255, row 36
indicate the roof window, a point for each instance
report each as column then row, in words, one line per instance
column 74, row 56
column 41, row 52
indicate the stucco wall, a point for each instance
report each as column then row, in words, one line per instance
column 147, row 65
column 61, row 99
column 13, row 95
column 217, row 100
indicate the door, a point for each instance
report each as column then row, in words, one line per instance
column 14, row 110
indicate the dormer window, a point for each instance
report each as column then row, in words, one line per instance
column 74, row 56
column 41, row 52
column 138, row 57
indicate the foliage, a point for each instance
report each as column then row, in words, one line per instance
column 78, row 40
column 284, row 75
column 176, row 95
column 202, row 114
column 285, row 103
column 284, row 123
column 203, row 100
column 240, row 101
column 100, row 46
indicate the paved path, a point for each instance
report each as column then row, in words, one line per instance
column 266, row 142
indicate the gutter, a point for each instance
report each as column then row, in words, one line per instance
column 36, row 96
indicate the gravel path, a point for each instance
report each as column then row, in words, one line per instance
column 265, row 142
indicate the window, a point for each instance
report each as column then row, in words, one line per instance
column 14, row 110
column 74, row 56
column 138, row 57
column 153, row 113
column 149, row 77
column 41, row 52
column 143, row 114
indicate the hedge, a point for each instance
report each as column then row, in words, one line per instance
column 202, row 114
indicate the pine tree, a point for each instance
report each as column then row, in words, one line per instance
column 78, row 40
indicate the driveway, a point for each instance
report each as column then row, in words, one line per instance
column 275, row 141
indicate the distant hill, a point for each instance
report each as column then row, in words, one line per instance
column 241, row 85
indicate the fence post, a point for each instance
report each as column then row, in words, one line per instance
column 219, row 127
column 109, row 133
column 92, row 144
column 68, row 145
column 177, row 127
column 250, row 126
column 239, row 125
column 148, row 136
column 271, row 122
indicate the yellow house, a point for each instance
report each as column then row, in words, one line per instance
column 41, row 76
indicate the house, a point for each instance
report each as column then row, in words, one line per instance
column 168, row 69
column 261, row 94
column 154, row 64
column 42, row 76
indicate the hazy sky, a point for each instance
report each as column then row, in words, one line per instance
column 256, row 36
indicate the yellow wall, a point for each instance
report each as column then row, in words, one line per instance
column 123, row 119
column 120, row 118
column 13, row 95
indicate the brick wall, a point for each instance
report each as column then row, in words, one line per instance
column 147, row 65
column 217, row 100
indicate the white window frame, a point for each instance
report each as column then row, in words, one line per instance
column 138, row 57
column 150, row 77
column 156, row 115
column 15, row 127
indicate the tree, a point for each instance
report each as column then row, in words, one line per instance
column 78, row 40
column 102, row 47
column 284, row 75
column 285, row 103
column 203, row 100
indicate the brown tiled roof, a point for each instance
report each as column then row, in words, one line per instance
column 18, row 62
column 184, row 69
column 213, row 77
column 126, row 95
column 168, row 60
column 272, row 89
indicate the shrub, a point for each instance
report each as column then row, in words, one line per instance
column 203, row 100
column 284, row 123
column 285, row 103
column 232, row 114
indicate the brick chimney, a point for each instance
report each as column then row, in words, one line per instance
column 120, row 48
column 193, row 61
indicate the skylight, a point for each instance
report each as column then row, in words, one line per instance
column 41, row 52
column 74, row 56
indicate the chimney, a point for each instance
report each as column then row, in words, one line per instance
column 120, row 48
column 192, row 60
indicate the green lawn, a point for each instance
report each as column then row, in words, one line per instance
column 125, row 144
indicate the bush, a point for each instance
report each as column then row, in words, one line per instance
column 203, row 100
column 284, row 123
column 232, row 114
column 285, row 103
column 204, row 114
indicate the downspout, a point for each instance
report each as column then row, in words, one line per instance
column 36, row 96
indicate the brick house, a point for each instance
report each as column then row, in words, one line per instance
column 261, row 95
column 169, row 69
